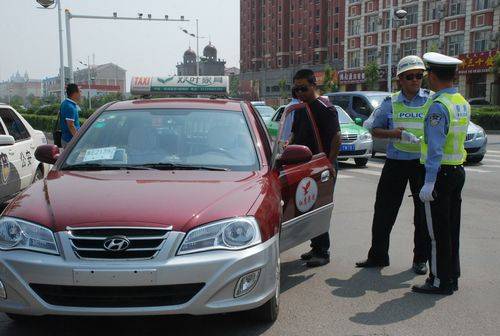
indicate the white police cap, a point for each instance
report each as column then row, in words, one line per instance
column 437, row 60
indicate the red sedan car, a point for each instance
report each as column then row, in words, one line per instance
column 164, row 206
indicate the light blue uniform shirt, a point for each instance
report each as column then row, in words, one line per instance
column 287, row 127
column 383, row 119
column 435, row 135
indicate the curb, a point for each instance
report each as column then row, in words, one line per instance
column 492, row 131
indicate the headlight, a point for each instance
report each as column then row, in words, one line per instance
column 18, row 234
column 480, row 134
column 230, row 234
column 365, row 136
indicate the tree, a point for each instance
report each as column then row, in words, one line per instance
column 328, row 81
column 234, row 84
column 282, row 85
column 372, row 75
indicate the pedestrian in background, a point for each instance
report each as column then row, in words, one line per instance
column 443, row 153
column 400, row 119
column 327, row 121
column 69, row 113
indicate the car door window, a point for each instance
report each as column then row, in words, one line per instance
column 2, row 130
column 360, row 106
column 341, row 100
column 279, row 113
column 14, row 125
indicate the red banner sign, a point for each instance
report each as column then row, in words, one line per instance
column 480, row 62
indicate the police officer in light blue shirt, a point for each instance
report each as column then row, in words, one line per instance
column 400, row 119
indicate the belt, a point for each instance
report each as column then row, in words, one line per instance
column 449, row 167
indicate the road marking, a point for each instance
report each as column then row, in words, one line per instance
column 491, row 166
column 342, row 176
column 493, row 151
column 490, row 160
column 365, row 171
column 494, row 155
column 477, row 170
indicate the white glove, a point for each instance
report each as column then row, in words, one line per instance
column 426, row 192
column 407, row 137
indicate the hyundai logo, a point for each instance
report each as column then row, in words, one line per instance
column 116, row 244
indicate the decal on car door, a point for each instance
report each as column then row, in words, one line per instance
column 306, row 194
column 4, row 160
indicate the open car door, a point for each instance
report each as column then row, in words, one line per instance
column 306, row 188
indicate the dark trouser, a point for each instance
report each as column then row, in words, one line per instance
column 390, row 193
column 444, row 228
column 321, row 243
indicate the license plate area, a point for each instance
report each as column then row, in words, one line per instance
column 91, row 277
column 347, row 148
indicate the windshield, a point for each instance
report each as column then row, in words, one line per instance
column 168, row 138
column 343, row 116
column 265, row 111
column 376, row 100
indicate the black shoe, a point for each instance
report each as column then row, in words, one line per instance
column 307, row 255
column 318, row 260
column 420, row 268
column 454, row 284
column 372, row 263
column 427, row 288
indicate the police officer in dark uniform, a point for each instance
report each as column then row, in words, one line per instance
column 443, row 153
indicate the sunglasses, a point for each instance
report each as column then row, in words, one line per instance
column 410, row 77
column 301, row 88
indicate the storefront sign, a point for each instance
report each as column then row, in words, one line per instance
column 480, row 62
column 358, row 76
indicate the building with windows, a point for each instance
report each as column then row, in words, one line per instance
column 210, row 65
column 20, row 86
column 468, row 29
column 96, row 80
column 278, row 37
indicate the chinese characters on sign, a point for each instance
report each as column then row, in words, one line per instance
column 480, row 62
column 358, row 76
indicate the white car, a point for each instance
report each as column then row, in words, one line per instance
column 18, row 141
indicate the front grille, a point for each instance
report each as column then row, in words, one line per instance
column 469, row 137
column 349, row 138
column 349, row 153
column 473, row 149
column 117, row 297
column 145, row 243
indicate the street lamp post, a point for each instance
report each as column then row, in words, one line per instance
column 88, row 80
column 47, row 4
column 198, row 37
column 400, row 14
column 69, row 16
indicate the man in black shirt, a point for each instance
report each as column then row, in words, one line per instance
column 327, row 121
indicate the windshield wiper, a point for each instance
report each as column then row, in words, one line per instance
column 99, row 166
column 176, row 166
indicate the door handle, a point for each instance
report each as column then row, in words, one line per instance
column 325, row 176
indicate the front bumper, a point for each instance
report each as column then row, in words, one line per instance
column 218, row 271
column 362, row 149
column 476, row 147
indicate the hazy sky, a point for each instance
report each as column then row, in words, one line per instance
column 29, row 36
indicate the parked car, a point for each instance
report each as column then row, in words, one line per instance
column 478, row 102
column 358, row 104
column 18, row 141
column 162, row 206
column 265, row 111
column 356, row 140
column 475, row 143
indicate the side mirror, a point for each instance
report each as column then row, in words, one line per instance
column 358, row 121
column 294, row 154
column 47, row 153
column 7, row 140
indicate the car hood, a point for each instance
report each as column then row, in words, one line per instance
column 473, row 128
column 352, row 129
column 181, row 199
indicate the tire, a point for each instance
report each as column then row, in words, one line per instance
column 268, row 312
column 475, row 159
column 361, row 162
column 38, row 175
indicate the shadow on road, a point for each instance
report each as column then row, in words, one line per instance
column 369, row 279
column 230, row 324
column 397, row 310
column 290, row 274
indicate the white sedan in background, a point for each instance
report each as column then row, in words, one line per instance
column 18, row 141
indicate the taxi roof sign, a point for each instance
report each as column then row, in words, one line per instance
column 180, row 85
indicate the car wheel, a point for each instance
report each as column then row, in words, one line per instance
column 268, row 313
column 361, row 162
column 38, row 175
column 475, row 159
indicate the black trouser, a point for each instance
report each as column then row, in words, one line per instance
column 390, row 193
column 444, row 227
column 321, row 243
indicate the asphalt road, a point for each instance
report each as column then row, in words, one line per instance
column 339, row 299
